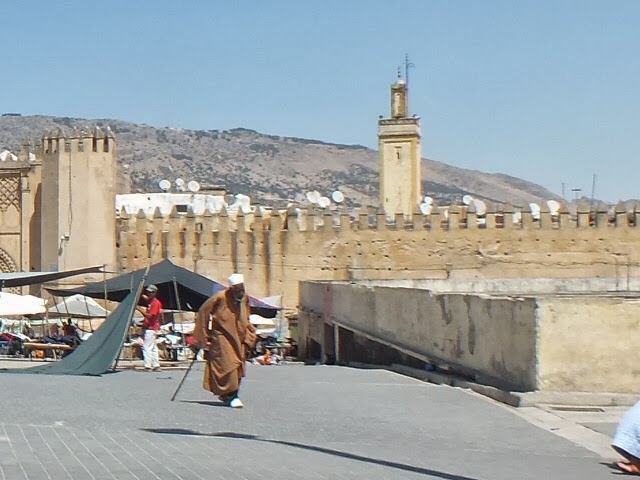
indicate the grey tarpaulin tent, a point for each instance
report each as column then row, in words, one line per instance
column 96, row 354
column 178, row 288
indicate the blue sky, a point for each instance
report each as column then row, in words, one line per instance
column 545, row 90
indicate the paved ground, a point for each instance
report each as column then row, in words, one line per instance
column 299, row 422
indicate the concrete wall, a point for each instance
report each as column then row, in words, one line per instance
column 573, row 343
column 515, row 286
column 589, row 344
column 492, row 338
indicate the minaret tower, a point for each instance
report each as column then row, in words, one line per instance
column 399, row 152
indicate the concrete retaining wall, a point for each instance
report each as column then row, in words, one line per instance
column 571, row 343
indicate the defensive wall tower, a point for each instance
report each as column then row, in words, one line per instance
column 79, row 174
column 399, row 156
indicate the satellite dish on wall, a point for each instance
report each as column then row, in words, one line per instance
column 516, row 216
column 337, row 196
column 428, row 200
column 180, row 184
column 554, row 207
column 324, row 202
column 164, row 185
column 535, row 210
column 299, row 197
column 425, row 209
column 313, row 197
column 466, row 199
column 193, row 186
column 481, row 208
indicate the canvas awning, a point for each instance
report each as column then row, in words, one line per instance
column 19, row 279
column 178, row 288
column 78, row 306
column 12, row 304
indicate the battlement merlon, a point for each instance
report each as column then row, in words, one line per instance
column 96, row 141
column 459, row 218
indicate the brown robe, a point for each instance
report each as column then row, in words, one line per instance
column 225, row 324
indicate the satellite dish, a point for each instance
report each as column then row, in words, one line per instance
column 164, row 185
column 466, row 199
column 554, row 207
column 517, row 216
column 179, row 184
column 535, row 210
column 425, row 209
column 428, row 200
column 313, row 197
column 337, row 196
column 299, row 197
column 324, row 202
column 481, row 208
column 193, row 186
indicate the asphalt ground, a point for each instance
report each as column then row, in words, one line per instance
column 298, row 422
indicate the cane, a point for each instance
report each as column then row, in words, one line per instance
column 195, row 357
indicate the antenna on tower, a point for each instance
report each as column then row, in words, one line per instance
column 407, row 66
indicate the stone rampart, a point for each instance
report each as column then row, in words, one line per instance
column 276, row 252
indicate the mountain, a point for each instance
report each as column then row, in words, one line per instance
column 270, row 169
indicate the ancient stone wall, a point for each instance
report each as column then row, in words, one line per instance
column 277, row 252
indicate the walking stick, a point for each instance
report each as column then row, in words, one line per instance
column 195, row 357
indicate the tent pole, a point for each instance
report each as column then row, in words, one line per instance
column 86, row 304
column 173, row 322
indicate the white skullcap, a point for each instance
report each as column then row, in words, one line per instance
column 236, row 279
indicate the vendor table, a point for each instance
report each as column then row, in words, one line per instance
column 56, row 348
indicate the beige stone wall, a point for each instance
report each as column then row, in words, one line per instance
column 274, row 258
column 570, row 343
column 78, row 191
column 17, row 206
column 589, row 344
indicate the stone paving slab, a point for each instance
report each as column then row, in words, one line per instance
column 298, row 422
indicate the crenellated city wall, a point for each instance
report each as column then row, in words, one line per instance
column 275, row 252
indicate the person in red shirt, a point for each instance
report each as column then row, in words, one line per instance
column 151, row 326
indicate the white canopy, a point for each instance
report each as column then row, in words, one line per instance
column 78, row 306
column 263, row 322
column 12, row 304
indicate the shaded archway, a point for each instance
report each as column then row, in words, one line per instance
column 7, row 265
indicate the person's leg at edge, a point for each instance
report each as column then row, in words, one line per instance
column 631, row 464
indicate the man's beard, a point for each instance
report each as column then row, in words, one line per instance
column 238, row 297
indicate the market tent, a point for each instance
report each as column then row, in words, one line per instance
column 19, row 279
column 178, row 288
column 12, row 304
column 78, row 306
column 97, row 354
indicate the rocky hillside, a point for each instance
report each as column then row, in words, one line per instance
column 270, row 169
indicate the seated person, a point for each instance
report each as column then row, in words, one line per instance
column 69, row 329
column 626, row 442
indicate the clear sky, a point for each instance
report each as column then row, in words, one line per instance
column 545, row 90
